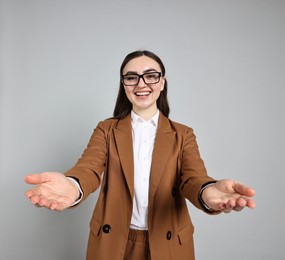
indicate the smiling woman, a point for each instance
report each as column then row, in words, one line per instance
column 143, row 95
column 123, row 105
column 151, row 164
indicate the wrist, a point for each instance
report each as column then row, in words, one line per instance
column 79, row 192
column 201, row 199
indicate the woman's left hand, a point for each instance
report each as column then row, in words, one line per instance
column 228, row 195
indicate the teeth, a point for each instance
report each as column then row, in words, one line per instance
column 142, row 93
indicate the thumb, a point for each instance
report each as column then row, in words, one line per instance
column 36, row 178
column 244, row 190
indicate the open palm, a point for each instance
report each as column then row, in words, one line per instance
column 227, row 195
column 53, row 190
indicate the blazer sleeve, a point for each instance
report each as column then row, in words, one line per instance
column 89, row 168
column 193, row 173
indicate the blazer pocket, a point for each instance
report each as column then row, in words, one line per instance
column 95, row 227
column 186, row 233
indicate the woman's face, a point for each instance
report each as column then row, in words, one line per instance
column 143, row 96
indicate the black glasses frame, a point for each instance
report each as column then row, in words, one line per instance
column 141, row 76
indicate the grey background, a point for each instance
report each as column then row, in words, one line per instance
column 59, row 76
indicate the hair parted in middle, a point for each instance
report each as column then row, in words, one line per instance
column 123, row 106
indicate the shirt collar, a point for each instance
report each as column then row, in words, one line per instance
column 136, row 118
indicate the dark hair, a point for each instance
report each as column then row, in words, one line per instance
column 123, row 106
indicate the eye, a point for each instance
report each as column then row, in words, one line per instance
column 151, row 76
column 130, row 77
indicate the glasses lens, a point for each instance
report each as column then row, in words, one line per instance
column 148, row 78
column 151, row 78
column 130, row 80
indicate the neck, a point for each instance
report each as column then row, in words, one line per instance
column 146, row 114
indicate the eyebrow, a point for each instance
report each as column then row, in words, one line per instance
column 145, row 71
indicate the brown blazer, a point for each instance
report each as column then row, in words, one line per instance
column 177, row 172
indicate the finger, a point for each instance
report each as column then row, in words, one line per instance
column 244, row 190
column 35, row 178
column 238, row 208
column 246, row 202
column 43, row 202
column 57, row 206
column 241, row 202
column 41, row 177
column 231, row 203
column 251, row 204
column 226, row 211
column 219, row 207
column 54, row 206
column 32, row 192
column 38, row 201
column 35, row 200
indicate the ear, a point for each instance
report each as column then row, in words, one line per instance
column 162, row 83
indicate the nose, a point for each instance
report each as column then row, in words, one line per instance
column 141, row 82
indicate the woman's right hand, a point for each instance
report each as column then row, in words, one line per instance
column 52, row 190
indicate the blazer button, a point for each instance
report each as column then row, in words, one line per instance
column 168, row 235
column 106, row 228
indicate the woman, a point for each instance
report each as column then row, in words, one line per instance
column 150, row 164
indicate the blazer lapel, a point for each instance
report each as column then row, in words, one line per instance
column 162, row 148
column 164, row 140
column 123, row 137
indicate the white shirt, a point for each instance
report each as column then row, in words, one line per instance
column 143, row 133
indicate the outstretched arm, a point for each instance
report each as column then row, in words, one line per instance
column 52, row 190
column 228, row 195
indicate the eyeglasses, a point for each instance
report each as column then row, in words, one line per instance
column 148, row 78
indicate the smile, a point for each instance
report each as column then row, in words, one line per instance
column 143, row 93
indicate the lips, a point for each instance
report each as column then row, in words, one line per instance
column 142, row 93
